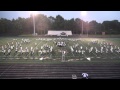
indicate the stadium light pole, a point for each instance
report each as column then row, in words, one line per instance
column 82, row 27
column 87, row 28
column 83, row 13
column 33, row 15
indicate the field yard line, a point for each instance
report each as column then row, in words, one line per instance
column 31, row 45
column 94, row 53
column 28, row 46
column 15, row 45
column 90, row 45
column 116, row 54
column 39, row 43
column 71, row 52
column 109, row 41
column 6, row 41
column 107, row 55
column 85, row 46
column 12, row 51
column 53, row 44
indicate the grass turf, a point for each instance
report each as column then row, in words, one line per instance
column 55, row 56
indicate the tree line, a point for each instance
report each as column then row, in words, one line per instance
column 43, row 23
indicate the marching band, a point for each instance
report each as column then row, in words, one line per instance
column 94, row 46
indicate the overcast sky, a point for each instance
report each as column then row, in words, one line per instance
column 99, row 16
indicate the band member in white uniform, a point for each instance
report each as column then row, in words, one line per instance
column 85, row 75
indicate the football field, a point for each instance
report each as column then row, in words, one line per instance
column 50, row 49
column 36, row 57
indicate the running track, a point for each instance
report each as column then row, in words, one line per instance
column 59, row 71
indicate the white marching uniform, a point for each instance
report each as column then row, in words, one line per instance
column 111, row 49
column 8, row 50
column 16, row 50
column 4, row 51
column 85, row 75
column 71, row 49
column 2, row 48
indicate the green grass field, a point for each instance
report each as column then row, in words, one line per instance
column 55, row 56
